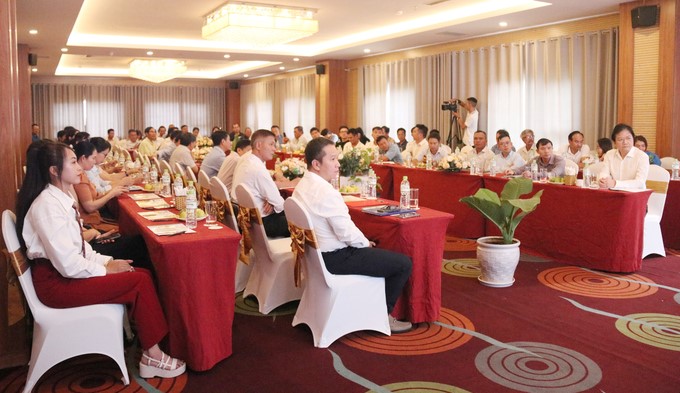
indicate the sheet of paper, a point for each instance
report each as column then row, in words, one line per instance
column 168, row 229
column 159, row 215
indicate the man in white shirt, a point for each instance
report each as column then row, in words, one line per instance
column 436, row 151
column 182, row 154
column 111, row 137
column 546, row 161
column 226, row 172
column 252, row 172
column 416, row 149
column 150, row 145
column 375, row 133
column 214, row 159
column 344, row 247
column 479, row 152
column 299, row 142
column 625, row 166
column 353, row 142
column 469, row 126
column 168, row 148
column 507, row 161
column 528, row 151
column 576, row 151
column 132, row 142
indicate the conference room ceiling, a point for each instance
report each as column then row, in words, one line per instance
column 103, row 36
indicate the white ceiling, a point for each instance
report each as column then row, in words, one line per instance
column 104, row 36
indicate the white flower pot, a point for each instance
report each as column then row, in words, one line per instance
column 498, row 261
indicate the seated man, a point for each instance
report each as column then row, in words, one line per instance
column 314, row 132
column 299, row 142
column 507, row 161
column 416, row 149
column 389, row 151
column 182, row 153
column 353, row 141
column 528, row 151
column 132, row 142
column 213, row 160
column 343, row 136
column 546, row 160
column 375, row 133
column 436, row 151
column 401, row 135
column 226, row 172
column 496, row 149
column 344, row 248
column 168, row 148
column 150, row 145
column 480, row 152
column 576, row 151
column 252, row 172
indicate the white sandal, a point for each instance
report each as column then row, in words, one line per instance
column 165, row 368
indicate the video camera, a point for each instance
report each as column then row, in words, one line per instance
column 451, row 105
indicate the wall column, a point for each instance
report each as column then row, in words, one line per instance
column 331, row 95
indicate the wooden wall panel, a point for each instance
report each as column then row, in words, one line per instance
column 668, row 119
column 645, row 83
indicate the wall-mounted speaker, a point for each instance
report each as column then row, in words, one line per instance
column 233, row 85
column 32, row 59
column 645, row 16
column 320, row 69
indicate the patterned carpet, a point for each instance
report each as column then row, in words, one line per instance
column 558, row 329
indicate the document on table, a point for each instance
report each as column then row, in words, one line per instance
column 159, row 215
column 168, row 229
column 157, row 203
column 143, row 197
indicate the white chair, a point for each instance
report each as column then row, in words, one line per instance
column 154, row 160
column 571, row 164
column 271, row 280
column 203, row 187
column 179, row 170
column 60, row 334
column 334, row 305
column 657, row 180
column 165, row 166
column 226, row 215
column 667, row 162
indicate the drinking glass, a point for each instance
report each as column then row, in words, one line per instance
column 543, row 176
column 414, row 198
column 335, row 182
column 211, row 212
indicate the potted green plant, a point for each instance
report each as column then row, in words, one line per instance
column 499, row 255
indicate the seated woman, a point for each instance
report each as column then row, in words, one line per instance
column 625, row 166
column 67, row 272
column 641, row 143
column 99, row 175
column 603, row 146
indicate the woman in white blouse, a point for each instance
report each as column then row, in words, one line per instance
column 625, row 166
column 66, row 271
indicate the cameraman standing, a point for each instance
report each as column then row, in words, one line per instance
column 469, row 126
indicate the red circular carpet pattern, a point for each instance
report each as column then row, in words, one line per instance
column 249, row 306
column 88, row 374
column 553, row 369
column 581, row 282
column 424, row 339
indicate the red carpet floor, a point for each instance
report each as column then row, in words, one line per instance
column 557, row 329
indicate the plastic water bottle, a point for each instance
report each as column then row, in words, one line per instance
column 192, row 205
column 154, row 174
column 178, row 187
column 675, row 170
column 586, row 176
column 405, row 189
column 165, row 181
column 492, row 168
column 534, row 170
column 473, row 164
column 372, row 185
column 145, row 174
column 428, row 162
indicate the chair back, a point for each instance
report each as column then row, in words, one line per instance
column 225, row 211
column 20, row 264
column 667, row 162
column 596, row 168
column 164, row 166
column 154, row 160
column 308, row 258
column 250, row 222
column 203, row 187
column 570, row 164
column 657, row 180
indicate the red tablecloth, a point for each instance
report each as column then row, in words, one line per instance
column 384, row 174
column 195, row 275
column 670, row 222
column 421, row 238
column 598, row 229
column 442, row 191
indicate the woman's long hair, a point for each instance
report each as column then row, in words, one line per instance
column 40, row 157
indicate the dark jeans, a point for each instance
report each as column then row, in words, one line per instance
column 374, row 262
column 276, row 225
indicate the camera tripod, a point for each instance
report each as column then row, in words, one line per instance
column 454, row 139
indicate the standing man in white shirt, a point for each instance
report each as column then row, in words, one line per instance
column 471, row 122
column 508, row 161
column 252, row 172
column 576, row 151
column 417, row 148
column 344, row 247
column 528, row 151
column 625, row 166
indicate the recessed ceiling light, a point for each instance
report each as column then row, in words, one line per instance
column 149, row 53
column 282, row 68
column 33, row 31
column 227, row 56
column 296, row 59
column 245, row 75
column 64, row 50
column 34, row 69
column 503, row 24
column 367, row 50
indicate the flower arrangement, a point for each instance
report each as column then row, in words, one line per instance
column 356, row 162
column 203, row 146
column 454, row 162
column 293, row 168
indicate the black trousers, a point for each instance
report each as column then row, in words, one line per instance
column 374, row 262
column 127, row 247
column 276, row 225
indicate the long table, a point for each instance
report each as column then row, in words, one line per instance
column 600, row 229
column 195, row 274
column 422, row 239
column 670, row 222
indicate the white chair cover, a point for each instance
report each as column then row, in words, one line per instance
column 657, row 180
column 667, row 162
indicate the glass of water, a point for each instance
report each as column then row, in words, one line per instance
column 211, row 212
column 414, row 198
